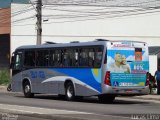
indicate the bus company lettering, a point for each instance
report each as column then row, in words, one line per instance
column 37, row 74
column 121, row 45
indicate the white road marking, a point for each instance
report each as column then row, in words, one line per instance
column 38, row 110
column 47, row 111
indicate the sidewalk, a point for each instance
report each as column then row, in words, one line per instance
column 148, row 97
column 3, row 88
column 152, row 96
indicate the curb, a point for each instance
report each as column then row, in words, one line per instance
column 3, row 86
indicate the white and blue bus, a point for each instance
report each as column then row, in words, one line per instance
column 99, row 68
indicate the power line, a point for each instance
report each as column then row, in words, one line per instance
column 23, row 19
column 103, row 12
column 121, row 14
column 97, row 18
column 106, row 3
column 88, row 14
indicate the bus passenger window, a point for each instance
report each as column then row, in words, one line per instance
column 52, row 58
column 58, row 58
column 66, row 58
column 98, row 57
column 91, row 57
column 38, row 58
column 29, row 58
column 83, row 60
column 42, row 58
column 55, row 59
column 74, row 57
column 46, row 58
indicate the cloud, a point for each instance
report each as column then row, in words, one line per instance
column 130, row 58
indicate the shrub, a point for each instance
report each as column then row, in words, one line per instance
column 4, row 77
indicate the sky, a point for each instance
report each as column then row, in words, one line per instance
column 7, row 3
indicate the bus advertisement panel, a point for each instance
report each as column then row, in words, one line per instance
column 128, row 64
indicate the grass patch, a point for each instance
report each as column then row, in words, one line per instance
column 4, row 77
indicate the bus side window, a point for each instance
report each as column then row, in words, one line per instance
column 66, row 58
column 52, row 58
column 46, row 58
column 74, row 57
column 83, row 60
column 58, row 58
column 42, row 58
column 91, row 57
column 38, row 58
column 98, row 57
column 29, row 58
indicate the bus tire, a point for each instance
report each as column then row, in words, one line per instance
column 27, row 90
column 69, row 91
column 106, row 98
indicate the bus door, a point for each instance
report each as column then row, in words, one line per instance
column 16, row 66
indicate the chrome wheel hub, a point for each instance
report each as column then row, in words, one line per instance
column 27, row 88
column 69, row 92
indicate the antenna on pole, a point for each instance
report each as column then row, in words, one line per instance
column 39, row 22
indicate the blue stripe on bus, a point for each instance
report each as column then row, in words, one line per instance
column 84, row 75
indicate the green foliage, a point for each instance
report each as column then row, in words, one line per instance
column 4, row 77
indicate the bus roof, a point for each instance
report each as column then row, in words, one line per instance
column 73, row 44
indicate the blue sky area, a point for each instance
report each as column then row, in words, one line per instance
column 7, row 3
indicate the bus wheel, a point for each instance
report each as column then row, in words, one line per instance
column 106, row 98
column 69, row 92
column 27, row 90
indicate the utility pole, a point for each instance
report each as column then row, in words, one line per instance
column 39, row 21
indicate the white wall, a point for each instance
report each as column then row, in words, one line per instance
column 21, row 32
column 152, row 64
column 140, row 28
column 147, row 27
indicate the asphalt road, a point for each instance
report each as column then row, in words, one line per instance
column 89, row 108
